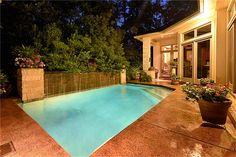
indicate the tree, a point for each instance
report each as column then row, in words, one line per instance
column 132, row 17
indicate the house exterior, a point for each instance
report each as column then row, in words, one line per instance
column 203, row 46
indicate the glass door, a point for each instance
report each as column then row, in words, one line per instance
column 196, row 64
column 165, row 64
column 169, row 60
column 203, row 59
column 188, row 62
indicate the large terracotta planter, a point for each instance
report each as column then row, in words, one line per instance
column 174, row 82
column 203, row 84
column 214, row 112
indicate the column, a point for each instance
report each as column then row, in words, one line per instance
column 146, row 53
column 123, row 76
column 157, row 58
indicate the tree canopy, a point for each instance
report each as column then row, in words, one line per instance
column 84, row 35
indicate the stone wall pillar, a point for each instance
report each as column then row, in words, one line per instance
column 123, row 76
column 30, row 83
column 152, row 74
column 146, row 53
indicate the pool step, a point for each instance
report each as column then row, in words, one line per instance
column 157, row 92
column 151, row 89
column 153, row 94
column 161, row 93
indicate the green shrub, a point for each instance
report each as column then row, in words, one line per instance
column 99, row 41
column 173, row 63
column 3, row 78
column 205, row 81
column 24, row 51
column 144, row 77
column 132, row 72
column 62, row 62
column 174, row 77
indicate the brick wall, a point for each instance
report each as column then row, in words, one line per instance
column 58, row 83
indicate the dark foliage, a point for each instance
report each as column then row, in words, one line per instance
column 22, row 23
column 144, row 77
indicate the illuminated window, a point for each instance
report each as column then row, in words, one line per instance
column 204, row 30
column 175, row 47
column 199, row 31
column 166, row 48
column 189, row 35
column 169, row 59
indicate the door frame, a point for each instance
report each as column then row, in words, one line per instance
column 171, row 51
column 194, row 44
column 196, row 80
column 187, row 79
column 162, row 59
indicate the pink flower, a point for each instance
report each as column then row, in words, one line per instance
column 209, row 85
column 41, row 65
column 37, row 59
column 222, row 90
column 22, row 65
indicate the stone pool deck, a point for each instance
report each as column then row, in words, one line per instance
column 172, row 128
column 27, row 137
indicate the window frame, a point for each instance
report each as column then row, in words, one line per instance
column 231, row 24
column 197, row 37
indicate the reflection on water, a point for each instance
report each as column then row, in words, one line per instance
column 81, row 122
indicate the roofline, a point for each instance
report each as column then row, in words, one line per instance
column 139, row 37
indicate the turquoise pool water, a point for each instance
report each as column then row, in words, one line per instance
column 81, row 122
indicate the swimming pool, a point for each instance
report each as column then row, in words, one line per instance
column 81, row 122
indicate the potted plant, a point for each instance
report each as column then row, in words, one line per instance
column 30, row 76
column 173, row 63
column 32, row 62
column 5, row 86
column 205, row 81
column 174, row 79
column 212, row 100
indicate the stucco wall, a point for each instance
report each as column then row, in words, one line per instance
column 168, row 41
column 221, row 46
